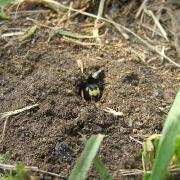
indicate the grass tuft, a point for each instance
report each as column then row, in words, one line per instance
column 169, row 142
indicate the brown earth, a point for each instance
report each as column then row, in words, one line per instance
column 50, row 136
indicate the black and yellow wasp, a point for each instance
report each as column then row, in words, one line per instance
column 92, row 87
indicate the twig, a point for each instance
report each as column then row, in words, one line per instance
column 30, row 168
column 12, row 113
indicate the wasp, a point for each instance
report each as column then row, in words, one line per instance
column 91, row 89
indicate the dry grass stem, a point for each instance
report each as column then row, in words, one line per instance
column 100, row 12
column 80, row 65
column 4, row 129
column 38, row 23
column 30, row 12
column 65, row 39
column 65, row 17
column 151, row 47
column 159, row 13
column 10, row 34
column 123, row 33
column 12, row 113
column 18, row 5
column 111, row 111
column 141, row 8
column 29, row 168
column 139, row 142
column 163, row 52
column 156, row 21
column 150, row 29
column 130, row 172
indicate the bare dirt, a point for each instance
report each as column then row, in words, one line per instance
column 49, row 136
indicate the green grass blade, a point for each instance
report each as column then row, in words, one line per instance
column 167, row 141
column 82, row 166
column 30, row 33
column 101, row 169
column 4, row 2
column 73, row 35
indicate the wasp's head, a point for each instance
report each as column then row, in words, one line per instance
column 93, row 90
